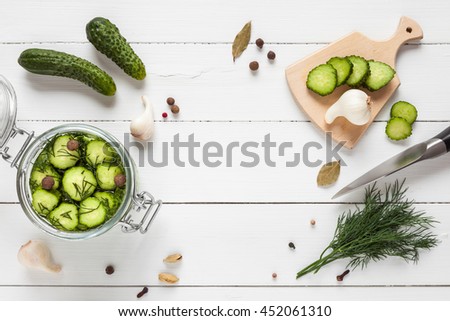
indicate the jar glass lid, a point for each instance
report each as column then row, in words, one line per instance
column 8, row 110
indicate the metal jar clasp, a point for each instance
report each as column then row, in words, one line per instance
column 142, row 201
column 14, row 161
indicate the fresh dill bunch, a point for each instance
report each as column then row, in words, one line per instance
column 387, row 225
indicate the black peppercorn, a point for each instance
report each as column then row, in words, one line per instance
column 271, row 55
column 291, row 245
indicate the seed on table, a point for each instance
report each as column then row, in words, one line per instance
column 175, row 109
column 164, row 115
column 312, row 222
column 144, row 290
column 274, row 275
column 291, row 245
column 341, row 276
column 109, row 270
column 170, row 101
column 271, row 55
column 48, row 182
column 259, row 43
column 254, row 65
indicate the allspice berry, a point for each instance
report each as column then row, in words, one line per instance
column 109, row 270
column 120, row 180
column 271, row 55
column 175, row 109
column 73, row 144
column 48, row 182
column 254, row 65
column 170, row 101
column 259, row 43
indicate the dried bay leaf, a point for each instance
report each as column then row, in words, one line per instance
column 241, row 41
column 329, row 173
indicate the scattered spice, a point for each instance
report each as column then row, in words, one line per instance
column 260, row 43
column 254, row 65
column 274, row 275
column 168, row 278
column 329, row 173
column 109, row 270
column 164, row 115
column 173, row 258
column 175, row 109
column 144, row 291
column 241, row 40
column 48, row 182
column 73, row 144
column 385, row 225
column 291, row 245
column 120, row 180
column 271, row 55
column 340, row 277
column 312, row 222
column 170, row 101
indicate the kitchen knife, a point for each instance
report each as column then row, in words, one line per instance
column 434, row 147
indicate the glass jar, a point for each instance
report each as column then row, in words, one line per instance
column 24, row 160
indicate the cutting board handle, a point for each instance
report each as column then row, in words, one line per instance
column 407, row 30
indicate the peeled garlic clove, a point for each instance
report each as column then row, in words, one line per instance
column 354, row 105
column 143, row 126
column 35, row 254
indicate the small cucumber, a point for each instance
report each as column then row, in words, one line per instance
column 44, row 201
column 92, row 212
column 322, row 79
column 380, row 75
column 98, row 151
column 360, row 71
column 404, row 110
column 398, row 128
column 39, row 173
column 109, row 201
column 60, row 156
column 65, row 215
column 79, row 183
column 106, row 38
column 56, row 63
column 106, row 174
column 343, row 68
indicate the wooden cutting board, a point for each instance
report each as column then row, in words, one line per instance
column 355, row 43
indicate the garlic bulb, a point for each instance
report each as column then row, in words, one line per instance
column 143, row 126
column 353, row 105
column 35, row 254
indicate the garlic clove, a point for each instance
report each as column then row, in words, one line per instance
column 354, row 105
column 36, row 255
column 143, row 126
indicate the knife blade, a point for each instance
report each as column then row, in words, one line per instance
column 434, row 147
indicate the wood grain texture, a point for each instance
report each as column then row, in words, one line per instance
column 356, row 44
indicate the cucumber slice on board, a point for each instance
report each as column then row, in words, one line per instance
column 343, row 68
column 380, row 75
column 92, row 212
column 360, row 71
column 60, row 156
column 398, row 128
column 65, row 215
column 322, row 79
column 404, row 110
column 79, row 183
column 44, row 201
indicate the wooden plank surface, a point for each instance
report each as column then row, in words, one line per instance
column 232, row 224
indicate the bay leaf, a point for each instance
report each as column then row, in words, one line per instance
column 241, row 40
column 329, row 173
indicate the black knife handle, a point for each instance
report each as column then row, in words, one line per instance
column 445, row 137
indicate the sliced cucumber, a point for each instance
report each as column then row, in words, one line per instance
column 44, row 201
column 109, row 201
column 360, row 71
column 79, row 183
column 38, row 174
column 106, row 174
column 398, row 128
column 65, row 215
column 60, row 156
column 322, row 79
column 404, row 110
column 98, row 151
column 380, row 75
column 92, row 212
column 343, row 68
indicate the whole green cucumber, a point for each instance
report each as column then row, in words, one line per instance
column 57, row 63
column 106, row 38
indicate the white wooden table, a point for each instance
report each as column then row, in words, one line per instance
column 232, row 224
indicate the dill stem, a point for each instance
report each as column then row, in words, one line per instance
column 318, row 264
